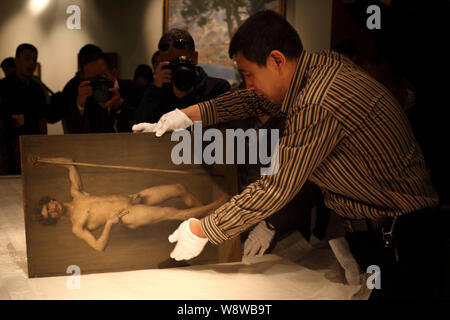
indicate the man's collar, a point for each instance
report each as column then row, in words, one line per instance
column 201, row 79
column 21, row 81
column 302, row 65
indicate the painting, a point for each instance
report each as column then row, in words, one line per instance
column 212, row 24
column 108, row 202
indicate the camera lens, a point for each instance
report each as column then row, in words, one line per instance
column 101, row 86
column 101, row 94
column 184, row 78
column 183, row 73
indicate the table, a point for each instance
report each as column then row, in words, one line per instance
column 294, row 270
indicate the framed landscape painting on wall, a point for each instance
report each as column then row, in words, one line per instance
column 212, row 23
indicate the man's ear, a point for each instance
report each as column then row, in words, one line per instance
column 277, row 57
column 114, row 73
column 44, row 212
column 195, row 61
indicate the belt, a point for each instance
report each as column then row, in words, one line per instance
column 352, row 225
column 387, row 226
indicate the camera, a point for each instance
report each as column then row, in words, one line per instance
column 183, row 73
column 100, row 86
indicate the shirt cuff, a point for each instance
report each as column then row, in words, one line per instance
column 208, row 113
column 212, row 231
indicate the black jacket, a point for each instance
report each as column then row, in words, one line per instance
column 158, row 101
column 20, row 98
column 94, row 118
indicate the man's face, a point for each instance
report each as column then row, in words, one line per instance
column 95, row 68
column 26, row 63
column 53, row 209
column 264, row 80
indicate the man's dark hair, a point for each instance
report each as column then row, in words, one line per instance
column 176, row 39
column 8, row 62
column 88, row 54
column 111, row 60
column 144, row 71
column 263, row 32
column 49, row 221
column 25, row 46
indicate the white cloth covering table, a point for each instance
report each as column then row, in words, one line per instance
column 294, row 270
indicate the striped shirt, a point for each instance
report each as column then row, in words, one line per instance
column 344, row 131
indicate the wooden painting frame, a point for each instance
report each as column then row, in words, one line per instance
column 112, row 165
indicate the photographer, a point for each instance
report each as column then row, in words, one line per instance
column 178, row 82
column 23, row 109
column 94, row 98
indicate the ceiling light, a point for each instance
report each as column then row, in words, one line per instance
column 37, row 6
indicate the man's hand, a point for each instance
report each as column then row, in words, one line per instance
column 84, row 91
column 258, row 240
column 56, row 160
column 116, row 218
column 144, row 127
column 188, row 245
column 171, row 121
column 162, row 75
column 115, row 102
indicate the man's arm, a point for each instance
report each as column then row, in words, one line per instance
column 72, row 116
column 233, row 105
column 238, row 104
column 152, row 105
column 14, row 118
column 311, row 140
column 100, row 243
column 76, row 188
column 300, row 153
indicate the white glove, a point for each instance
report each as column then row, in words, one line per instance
column 341, row 250
column 258, row 240
column 171, row 121
column 144, row 127
column 188, row 244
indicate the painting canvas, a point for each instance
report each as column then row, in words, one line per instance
column 108, row 202
column 212, row 24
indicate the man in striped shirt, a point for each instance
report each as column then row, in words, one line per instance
column 344, row 132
